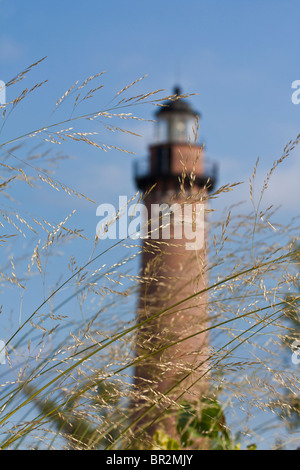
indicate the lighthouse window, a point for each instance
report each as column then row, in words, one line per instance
column 177, row 129
column 161, row 131
column 163, row 160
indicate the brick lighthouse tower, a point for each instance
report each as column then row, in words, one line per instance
column 171, row 344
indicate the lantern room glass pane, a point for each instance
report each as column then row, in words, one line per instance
column 175, row 128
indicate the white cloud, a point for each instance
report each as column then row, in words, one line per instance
column 9, row 48
column 284, row 188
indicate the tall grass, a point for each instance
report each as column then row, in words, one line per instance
column 68, row 382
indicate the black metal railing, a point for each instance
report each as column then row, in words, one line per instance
column 145, row 176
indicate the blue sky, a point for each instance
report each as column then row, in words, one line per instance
column 241, row 57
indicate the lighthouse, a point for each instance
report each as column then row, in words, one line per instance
column 172, row 340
